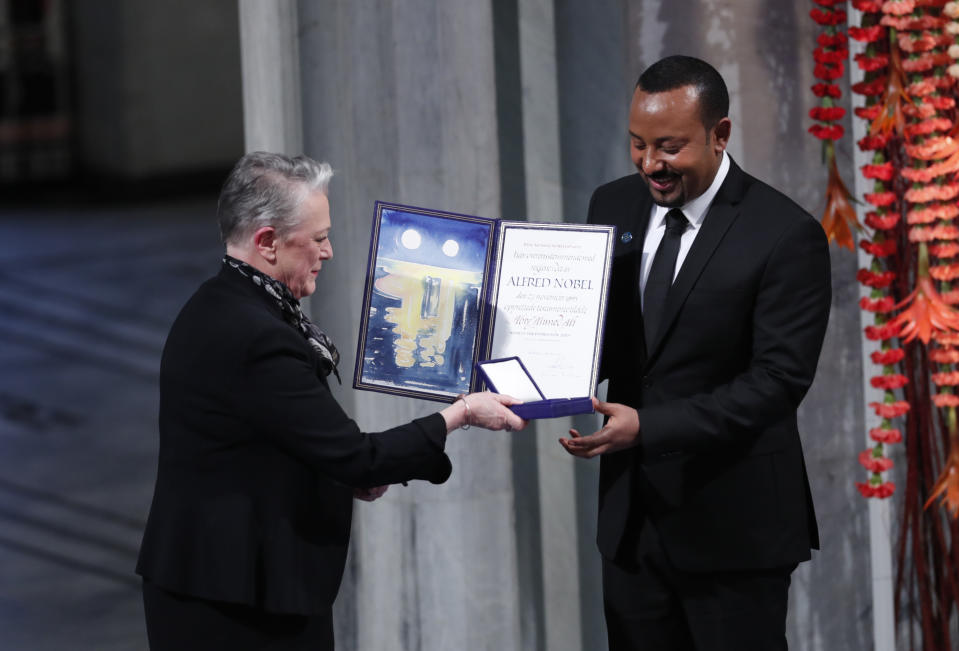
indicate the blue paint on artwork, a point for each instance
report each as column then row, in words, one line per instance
column 426, row 240
column 471, row 238
column 452, row 376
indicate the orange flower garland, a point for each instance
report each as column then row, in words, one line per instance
column 910, row 67
column 947, row 484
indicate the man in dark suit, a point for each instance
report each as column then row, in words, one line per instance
column 719, row 300
column 248, row 531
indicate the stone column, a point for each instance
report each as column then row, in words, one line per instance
column 594, row 86
column 400, row 98
column 270, row 60
column 559, row 614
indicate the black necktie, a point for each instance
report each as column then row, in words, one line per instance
column 661, row 274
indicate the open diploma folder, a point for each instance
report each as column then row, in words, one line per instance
column 445, row 291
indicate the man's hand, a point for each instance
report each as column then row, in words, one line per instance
column 369, row 494
column 621, row 431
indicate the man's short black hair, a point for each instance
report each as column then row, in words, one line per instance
column 677, row 71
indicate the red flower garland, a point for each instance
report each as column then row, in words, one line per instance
column 839, row 217
column 874, row 279
column 883, row 435
column 880, row 490
column 872, row 463
column 888, row 357
column 884, row 304
column 890, row 409
column 889, row 382
column 879, row 249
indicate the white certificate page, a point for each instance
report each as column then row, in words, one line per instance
column 549, row 302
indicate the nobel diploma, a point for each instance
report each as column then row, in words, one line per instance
column 549, row 303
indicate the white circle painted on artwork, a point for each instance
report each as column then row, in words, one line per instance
column 451, row 248
column 411, row 239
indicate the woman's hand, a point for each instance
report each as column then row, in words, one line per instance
column 369, row 494
column 484, row 409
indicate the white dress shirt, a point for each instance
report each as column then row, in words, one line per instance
column 695, row 211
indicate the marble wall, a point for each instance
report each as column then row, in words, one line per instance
column 517, row 108
column 398, row 97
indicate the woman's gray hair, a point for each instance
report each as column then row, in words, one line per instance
column 265, row 189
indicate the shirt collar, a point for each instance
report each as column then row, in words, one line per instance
column 696, row 209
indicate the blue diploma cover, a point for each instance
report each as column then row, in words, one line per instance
column 447, row 293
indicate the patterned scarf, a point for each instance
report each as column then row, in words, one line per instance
column 290, row 306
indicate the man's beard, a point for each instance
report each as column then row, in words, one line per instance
column 677, row 182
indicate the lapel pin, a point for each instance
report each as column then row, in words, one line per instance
column 626, row 237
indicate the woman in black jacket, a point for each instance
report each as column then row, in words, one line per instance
column 250, row 521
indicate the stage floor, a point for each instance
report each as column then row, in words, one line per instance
column 87, row 294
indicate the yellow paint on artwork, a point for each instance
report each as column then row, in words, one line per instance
column 406, row 282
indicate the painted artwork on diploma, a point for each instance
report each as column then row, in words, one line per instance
column 419, row 335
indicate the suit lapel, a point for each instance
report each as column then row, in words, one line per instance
column 722, row 213
column 640, row 213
